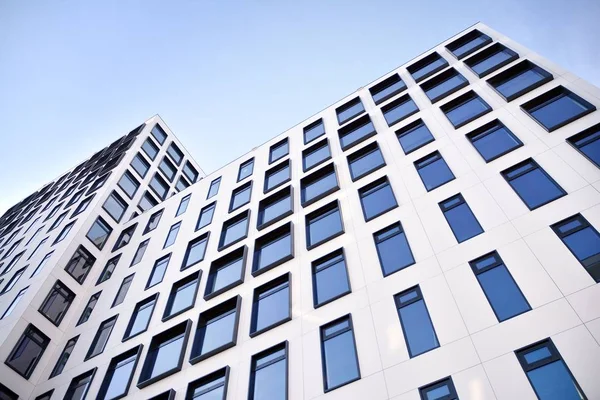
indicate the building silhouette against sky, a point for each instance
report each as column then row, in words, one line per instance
column 433, row 235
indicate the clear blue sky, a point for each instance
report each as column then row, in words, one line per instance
column 225, row 75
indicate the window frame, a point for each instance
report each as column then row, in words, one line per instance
column 488, row 129
column 274, row 235
column 143, row 161
column 216, row 183
column 88, row 257
column 75, row 383
column 385, row 84
column 58, row 368
column 166, row 258
column 277, row 145
column 323, row 337
column 117, row 199
column 346, row 106
column 126, row 281
column 207, row 379
column 26, row 335
column 223, row 262
column 108, row 232
column 237, row 191
column 132, row 319
column 323, row 263
column 116, row 260
column 92, row 301
column 368, row 189
column 158, row 214
column 441, row 78
column 354, row 126
column 362, row 153
column 249, row 162
column 153, row 146
column 133, row 180
column 399, row 102
column 286, row 164
column 461, row 101
column 467, row 38
column 175, row 149
column 487, row 53
column 110, row 322
column 201, row 238
column 462, row 201
column 447, row 381
column 269, row 201
column 585, row 136
column 57, row 288
column 175, row 227
column 312, row 126
column 426, row 161
column 112, row 366
column 312, row 149
column 377, row 240
column 183, row 205
column 183, row 282
column 513, row 72
column 409, row 128
column 318, row 214
column 424, row 62
column 286, row 278
column 244, row 215
column 316, row 176
column 263, row 354
column 212, row 205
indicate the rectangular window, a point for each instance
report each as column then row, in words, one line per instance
column 182, row 296
column 210, row 387
column 172, row 235
column 279, row 150
column 14, row 303
column 427, row 66
column 28, row 351
column 323, row 225
column 377, row 198
column 532, row 184
column 315, row 155
column 226, row 273
column 119, row 374
column 7, row 394
column 393, row 250
column 273, row 249
column 269, row 373
column 139, row 253
column 190, row 172
column 444, row 84
column 150, row 148
column 414, row 136
column 588, row 143
column 153, row 221
column 141, row 317
column 109, row 269
column 125, row 237
column 440, row 390
column 217, row 330
column 183, row 205
column 81, row 207
column 165, row 354
column 493, row 140
column 99, row 233
column 364, row 161
column 271, row 305
column 349, row 110
column 57, row 221
column 519, row 79
column 159, row 186
column 275, row 208
column 182, row 184
column 123, row 289
column 240, row 196
column 175, row 153
column 159, row 134
column 206, row 216
column 399, row 109
column 277, row 176
column 313, row 131
column 468, row 44
column 140, row 165
column 158, row 271
column 101, row 338
column 41, row 265
column 61, row 236
column 129, row 184
column 329, row 278
column 246, row 169
column 418, row 330
column 115, row 206
column 80, row 264
column 89, row 308
column 147, row 202
column 461, row 219
column 356, row 132
column 465, row 108
column 433, row 170
column 556, row 108
column 490, row 59
column 57, row 303
column 338, row 354
column 387, row 89
column 318, row 185
column 72, row 201
column 195, row 251
column 234, row 230
column 213, row 190
column 547, row 372
column 499, row 287
column 64, row 357
column 80, row 385
column 583, row 240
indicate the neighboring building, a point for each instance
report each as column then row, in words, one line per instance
column 433, row 235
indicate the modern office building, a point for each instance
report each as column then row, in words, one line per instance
column 433, row 235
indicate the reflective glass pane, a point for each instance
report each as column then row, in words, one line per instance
column 435, row 174
column 428, row 68
column 184, row 297
column 491, row 62
column 445, row 86
column 366, row 163
column 535, row 189
column 273, row 210
column 319, row 186
column 316, row 156
column 142, row 318
column 497, row 142
column 520, row 82
column 463, row 223
column 217, row 333
column 396, row 86
column 274, row 251
column 401, row 111
column 502, row 292
column 466, row 111
column 357, row 134
column 415, row 138
column 324, row 227
column 340, row 359
column 227, row 274
column 166, row 356
column 272, row 309
column 235, row 231
column 394, row 253
column 120, row 378
column 350, row 112
column 277, row 177
column 418, row 329
column 378, row 201
column 331, row 282
column 553, row 382
column 558, row 111
column 270, row 382
column 584, row 243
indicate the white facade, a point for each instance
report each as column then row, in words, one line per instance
column 475, row 349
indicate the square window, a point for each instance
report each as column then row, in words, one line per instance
column 123, row 289
column 318, row 185
column 119, row 375
column 210, row 387
column 532, row 184
column 129, row 184
column 63, row 358
column 167, row 168
column 182, row 296
column 89, row 308
column 444, row 84
column 99, row 233
column 195, row 251
column 556, row 108
column 387, row 89
column 519, row 79
column 276, row 207
column 279, row 150
column 427, row 66
column 159, row 186
column 226, row 273
column 490, row 59
column 349, row 110
column 115, row 206
column 433, row 170
column 393, row 250
column 364, row 161
column 399, row 109
column 271, row 305
column 141, row 317
column 28, row 351
column 417, row 327
column 214, row 188
column 234, row 230
column 159, row 134
column 330, row 278
column 313, row 131
column 269, row 373
column 190, row 172
column 277, row 176
column 147, row 202
column 217, row 330
column 356, row 132
column 440, row 390
column 80, row 264
column 468, row 44
column 108, row 270
column 240, row 196
column 588, row 143
column 124, row 237
column 206, row 216
column 183, row 205
column 315, row 155
column 246, row 169
column 150, row 148
column 338, row 353
column 461, row 219
column 273, row 249
column 465, row 108
column 80, row 385
column 140, row 165
column 323, row 225
column 165, row 354
column 414, row 136
column 377, row 198
column 493, row 140
column 57, row 303
column 175, row 153
column 101, row 338
column 158, row 271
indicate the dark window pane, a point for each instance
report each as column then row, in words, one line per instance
column 330, row 278
column 491, row 59
column 139, row 253
column 159, row 134
column 315, row 155
column 120, row 371
column 183, row 295
column 365, row 161
column 356, row 131
column 27, row 352
column 584, row 243
column 387, row 89
column 493, row 140
column 532, row 184
column 79, row 386
column 175, row 153
column 108, row 270
column 444, row 84
column 99, row 233
column 465, row 109
column 129, row 184
column 57, row 303
column 206, row 215
column 214, row 188
column 588, row 142
column 349, row 110
column 468, row 43
column 463, row 223
column 209, row 387
column 64, row 357
column 393, row 249
column 520, row 82
column 313, row 131
column 216, row 330
column 271, row 305
column 115, row 206
column 150, row 149
column 434, row 171
column 442, row 390
column 190, row 172
column 377, row 198
column 414, row 136
column 427, row 66
column 339, row 354
column 323, row 224
column 80, row 264
column 101, row 337
column 159, row 186
column 140, row 165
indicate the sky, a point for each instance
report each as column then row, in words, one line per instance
column 225, row 75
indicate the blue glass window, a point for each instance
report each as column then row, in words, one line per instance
column 387, row 89
column 583, row 240
column 27, row 352
column 468, row 43
column 277, row 176
column 175, row 153
column 441, row 390
column 101, row 338
column 190, row 171
column 98, row 233
column 269, row 374
column 271, row 305
column 275, row 207
column 123, row 290
column 118, row 377
column 393, row 249
column 427, row 66
column 588, row 143
column 217, row 330
column 349, row 110
column 356, row 132
column 318, row 185
column 499, row 287
column 140, row 165
column 159, row 186
column 465, row 109
column 279, row 150
column 153, row 221
column 240, row 196
column 183, row 205
column 547, row 372
column 172, row 235
column 210, row 387
column 273, row 249
column 323, row 224
column 461, row 219
column 338, row 350
column 206, row 216
column 491, row 59
column 141, row 316
column 532, row 184
column 159, row 134
column 313, row 131
column 225, row 273
column 365, row 161
column 399, row 109
column 519, row 79
column 214, row 188
column 493, row 140
column 182, row 296
column 167, row 168
column 433, row 170
column 195, row 251
column 444, row 84
column 315, row 155
column 234, row 230
column 150, row 148
column 147, row 202
column 246, row 169
column 416, row 324
column 330, row 278
column 377, row 198
column 414, row 136
column 556, row 108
